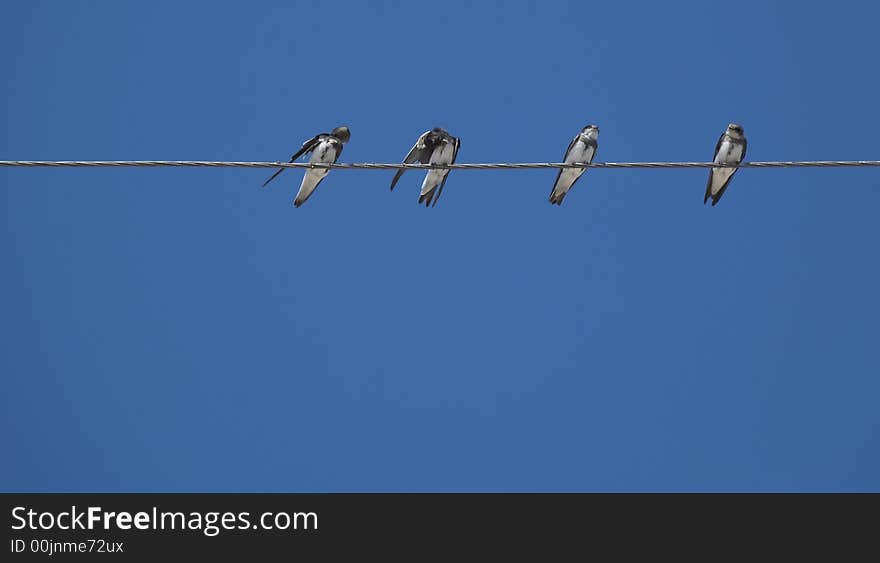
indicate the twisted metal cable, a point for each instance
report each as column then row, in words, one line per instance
column 462, row 166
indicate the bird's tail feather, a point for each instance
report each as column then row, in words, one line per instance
column 426, row 198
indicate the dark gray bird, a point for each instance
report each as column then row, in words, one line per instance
column 433, row 147
column 731, row 149
column 582, row 149
column 325, row 148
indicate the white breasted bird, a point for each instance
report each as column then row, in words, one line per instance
column 581, row 150
column 325, row 148
column 433, row 147
column 731, row 149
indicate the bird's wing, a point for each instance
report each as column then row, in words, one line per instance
column 443, row 183
column 314, row 176
column 307, row 147
column 419, row 153
column 718, row 144
column 559, row 175
column 712, row 170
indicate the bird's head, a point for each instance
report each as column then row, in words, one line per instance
column 342, row 133
column 735, row 130
column 591, row 131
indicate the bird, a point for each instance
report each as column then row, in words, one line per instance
column 731, row 149
column 325, row 148
column 582, row 149
column 436, row 146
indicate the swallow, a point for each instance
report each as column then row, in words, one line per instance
column 325, row 148
column 433, row 147
column 582, row 149
column 731, row 149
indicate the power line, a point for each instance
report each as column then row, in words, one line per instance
column 461, row 166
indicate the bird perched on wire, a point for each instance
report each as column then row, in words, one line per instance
column 731, row 149
column 325, row 148
column 433, row 147
column 581, row 150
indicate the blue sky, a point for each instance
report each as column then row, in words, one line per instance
column 184, row 330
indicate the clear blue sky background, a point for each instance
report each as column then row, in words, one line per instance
column 184, row 330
